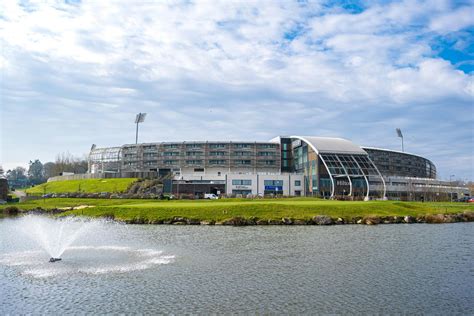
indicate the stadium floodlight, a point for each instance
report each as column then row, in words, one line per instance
column 399, row 133
column 140, row 118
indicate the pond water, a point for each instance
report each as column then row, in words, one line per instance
column 114, row 268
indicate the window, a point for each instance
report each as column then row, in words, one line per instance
column 297, row 183
column 242, row 153
column 217, row 153
column 266, row 153
column 170, row 153
column 193, row 153
column 148, row 155
column 241, row 192
column 193, row 162
column 241, row 145
column 193, row 145
column 170, row 162
column 267, row 145
column 217, row 162
column 269, row 162
column 273, row 183
column 243, row 162
column 216, row 145
column 241, row 182
column 170, row 145
column 198, row 169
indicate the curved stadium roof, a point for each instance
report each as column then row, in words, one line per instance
column 332, row 145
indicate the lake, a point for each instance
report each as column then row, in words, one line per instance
column 113, row 268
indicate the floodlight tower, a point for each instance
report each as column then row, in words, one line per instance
column 399, row 133
column 140, row 118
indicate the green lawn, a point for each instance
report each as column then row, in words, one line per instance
column 86, row 186
column 297, row 208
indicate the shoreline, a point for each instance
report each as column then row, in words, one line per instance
column 317, row 220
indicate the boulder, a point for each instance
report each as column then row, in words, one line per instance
column 468, row 216
column 409, row 219
column 286, row 221
column 323, row 220
column 235, row 221
column 274, row 222
column 371, row 220
column 262, row 222
column 193, row 221
column 211, row 222
column 300, row 222
column 340, row 221
column 434, row 219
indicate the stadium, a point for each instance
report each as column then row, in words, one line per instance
column 334, row 168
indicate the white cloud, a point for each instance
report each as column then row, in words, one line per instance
column 244, row 69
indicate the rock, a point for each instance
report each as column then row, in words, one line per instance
column 192, row 221
column 235, row 221
column 287, row 221
column 274, row 222
column 157, row 222
column 371, row 220
column 468, row 216
column 360, row 221
column 420, row 219
column 179, row 220
column 211, row 222
column 397, row 220
column 340, row 221
column 251, row 221
column 300, row 222
column 409, row 219
column 323, row 220
column 434, row 219
column 262, row 222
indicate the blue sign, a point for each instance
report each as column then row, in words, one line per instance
column 274, row 188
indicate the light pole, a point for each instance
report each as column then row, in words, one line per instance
column 399, row 133
column 140, row 118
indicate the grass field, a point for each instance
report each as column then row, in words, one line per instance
column 86, row 186
column 218, row 210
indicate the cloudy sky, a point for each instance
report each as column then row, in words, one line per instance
column 74, row 73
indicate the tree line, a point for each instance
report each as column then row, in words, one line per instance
column 39, row 173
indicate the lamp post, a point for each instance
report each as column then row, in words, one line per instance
column 140, row 118
column 399, row 134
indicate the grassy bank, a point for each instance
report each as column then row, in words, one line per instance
column 85, row 186
column 218, row 210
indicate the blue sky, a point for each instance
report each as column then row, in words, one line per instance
column 74, row 73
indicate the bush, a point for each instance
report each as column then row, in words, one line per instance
column 11, row 211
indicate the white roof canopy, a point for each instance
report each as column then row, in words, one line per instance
column 332, row 145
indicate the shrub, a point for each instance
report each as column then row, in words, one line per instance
column 11, row 211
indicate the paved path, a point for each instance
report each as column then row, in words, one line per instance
column 20, row 193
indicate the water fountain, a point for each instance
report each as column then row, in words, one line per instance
column 75, row 245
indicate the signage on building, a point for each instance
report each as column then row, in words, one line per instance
column 244, row 187
column 341, row 182
column 274, row 188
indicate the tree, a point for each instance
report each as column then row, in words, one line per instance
column 17, row 177
column 48, row 170
column 36, row 172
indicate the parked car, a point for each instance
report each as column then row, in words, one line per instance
column 471, row 200
column 210, row 196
